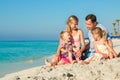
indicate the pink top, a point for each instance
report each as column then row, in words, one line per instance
column 76, row 40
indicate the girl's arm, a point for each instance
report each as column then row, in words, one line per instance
column 59, row 48
column 63, row 50
column 95, row 47
column 110, row 43
column 74, row 49
column 111, row 49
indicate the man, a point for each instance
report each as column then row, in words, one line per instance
column 91, row 23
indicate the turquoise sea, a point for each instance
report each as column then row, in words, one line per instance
column 18, row 55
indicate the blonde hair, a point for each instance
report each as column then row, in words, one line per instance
column 62, row 34
column 100, row 32
column 70, row 20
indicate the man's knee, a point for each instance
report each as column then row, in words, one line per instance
column 85, row 54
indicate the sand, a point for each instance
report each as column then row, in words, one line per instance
column 98, row 70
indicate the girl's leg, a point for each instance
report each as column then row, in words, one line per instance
column 110, row 54
column 115, row 55
column 61, row 62
column 53, row 62
column 70, row 57
column 48, row 63
column 96, row 57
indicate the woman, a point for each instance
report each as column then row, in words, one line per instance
column 77, row 38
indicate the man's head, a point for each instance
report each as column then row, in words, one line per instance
column 90, row 21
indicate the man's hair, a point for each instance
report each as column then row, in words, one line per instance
column 92, row 17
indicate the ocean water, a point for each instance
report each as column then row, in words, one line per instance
column 15, row 51
column 19, row 55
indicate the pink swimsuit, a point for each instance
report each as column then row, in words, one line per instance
column 76, row 40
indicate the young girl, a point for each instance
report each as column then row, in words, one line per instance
column 102, row 48
column 67, row 49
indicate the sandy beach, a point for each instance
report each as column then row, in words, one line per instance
column 98, row 70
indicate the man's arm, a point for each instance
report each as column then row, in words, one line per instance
column 87, row 46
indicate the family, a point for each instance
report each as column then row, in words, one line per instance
column 72, row 47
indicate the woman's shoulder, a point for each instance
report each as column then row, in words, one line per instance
column 80, row 31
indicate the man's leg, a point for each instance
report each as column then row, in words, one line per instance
column 85, row 54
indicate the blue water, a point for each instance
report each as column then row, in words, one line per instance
column 15, row 51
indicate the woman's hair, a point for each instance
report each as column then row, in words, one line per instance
column 71, row 20
column 100, row 32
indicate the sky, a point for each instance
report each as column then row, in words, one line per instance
column 45, row 19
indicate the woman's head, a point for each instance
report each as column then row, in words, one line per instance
column 65, row 36
column 97, row 32
column 72, row 23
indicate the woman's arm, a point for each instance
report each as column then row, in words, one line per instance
column 82, row 41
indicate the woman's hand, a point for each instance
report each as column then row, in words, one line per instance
column 78, row 54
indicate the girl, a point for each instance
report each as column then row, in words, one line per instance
column 66, row 50
column 102, row 48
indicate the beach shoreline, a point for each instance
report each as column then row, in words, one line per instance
column 105, row 70
column 21, row 65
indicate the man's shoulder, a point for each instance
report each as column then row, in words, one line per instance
column 101, row 26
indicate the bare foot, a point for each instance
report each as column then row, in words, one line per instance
column 84, row 62
column 80, row 61
column 74, row 61
column 47, row 63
